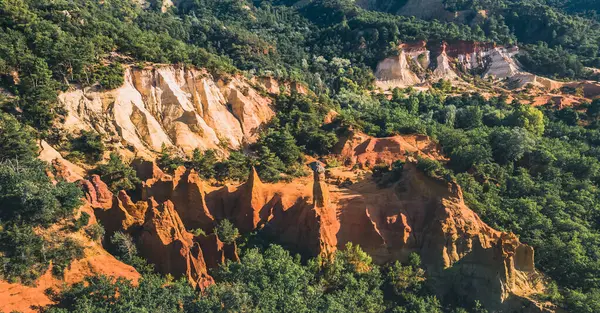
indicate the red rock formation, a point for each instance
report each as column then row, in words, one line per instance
column 63, row 170
column 419, row 214
column 123, row 216
column 189, row 200
column 146, row 169
column 462, row 47
column 16, row 297
column 251, row 207
column 311, row 228
column 165, row 243
column 429, row 217
column 320, row 191
column 97, row 193
column 367, row 151
column 217, row 252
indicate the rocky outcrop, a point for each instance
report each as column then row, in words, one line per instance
column 170, row 106
column 251, row 206
column 396, row 72
column 423, row 62
column 366, row 151
column 419, row 214
column 165, row 242
column 97, row 193
column 296, row 215
column 15, row 297
column 466, row 257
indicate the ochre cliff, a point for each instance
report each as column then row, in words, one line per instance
column 317, row 215
column 16, row 297
column 171, row 106
column 419, row 214
column 465, row 256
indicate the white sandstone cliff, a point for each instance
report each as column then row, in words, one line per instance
column 170, row 106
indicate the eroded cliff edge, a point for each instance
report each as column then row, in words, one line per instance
column 171, row 106
column 463, row 255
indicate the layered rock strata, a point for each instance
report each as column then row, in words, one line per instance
column 423, row 62
column 418, row 214
column 170, row 106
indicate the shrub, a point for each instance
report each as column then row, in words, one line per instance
column 125, row 250
column 95, row 231
column 118, row 175
column 433, row 168
column 386, row 176
column 110, row 76
column 82, row 221
column 169, row 160
column 22, row 254
column 198, row 232
column 28, row 196
column 203, row 163
column 90, row 144
column 236, row 167
column 226, row 232
column 64, row 253
column 17, row 141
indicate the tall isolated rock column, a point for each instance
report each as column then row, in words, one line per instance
column 320, row 191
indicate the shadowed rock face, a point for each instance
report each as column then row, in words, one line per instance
column 423, row 215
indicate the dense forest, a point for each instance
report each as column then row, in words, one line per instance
column 532, row 171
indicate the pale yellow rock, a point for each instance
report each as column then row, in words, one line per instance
column 395, row 72
column 443, row 69
column 502, row 64
column 170, row 106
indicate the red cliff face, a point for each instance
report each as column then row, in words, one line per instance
column 461, row 47
column 165, row 242
column 418, row 214
column 423, row 215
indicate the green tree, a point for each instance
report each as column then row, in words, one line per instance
column 226, row 232
column 204, row 163
column 528, row 117
column 17, row 141
column 27, row 195
column 510, row 145
column 90, row 144
column 118, row 175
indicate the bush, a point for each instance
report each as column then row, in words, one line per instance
column 22, row 254
column 203, row 163
column 110, row 76
column 90, row 144
column 82, row 221
column 28, row 196
column 433, row 168
column 226, row 232
column 386, row 176
column 118, row 175
column 17, row 141
column 123, row 247
column 169, row 160
column 236, row 167
column 65, row 252
column 96, row 232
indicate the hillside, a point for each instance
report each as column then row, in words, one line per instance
column 299, row 156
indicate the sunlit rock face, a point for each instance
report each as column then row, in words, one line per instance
column 170, row 106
